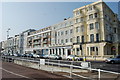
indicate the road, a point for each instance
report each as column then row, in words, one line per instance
column 94, row 64
column 11, row 71
column 106, row 66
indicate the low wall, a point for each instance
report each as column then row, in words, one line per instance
column 27, row 64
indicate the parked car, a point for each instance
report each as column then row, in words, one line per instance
column 46, row 56
column 74, row 57
column 15, row 54
column 27, row 55
column 36, row 55
column 113, row 60
column 41, row 55
column 54, row 56
column 23, row 55
column 30, row 55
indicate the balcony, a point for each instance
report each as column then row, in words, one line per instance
column 35, row 43
column 45, row 36
column 45, row 41
column 36, row 38
column 29, row 39
column 94, row 10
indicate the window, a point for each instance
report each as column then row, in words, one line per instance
column 91, row 26
column 77, row 29
column 97, row 25
column 96, row 15
column 90, row 8
column 71, row 31
column 66, row 32
column 87, row 50
column 97, row 37
column 78, row 51
column 77, row 12
column 82, row 39
column 92, row 38
column 77, row 20
column 115, row 30
column 107, row 27
column 81, row 19
column 71, row 22
column 62, row 33
column 91, row 16
column 58, row 41
column 106, row 16
column 62, row 41
column 82, row 28
column 58, row 33
column 66, row 40
column 92, row 48
column 96, row 50
column 78, row 39
column 70, row 39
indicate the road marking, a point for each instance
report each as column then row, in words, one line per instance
column 16, row 74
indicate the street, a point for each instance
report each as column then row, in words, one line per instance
column 94, row 64
column 106, row 66
column 12, row 71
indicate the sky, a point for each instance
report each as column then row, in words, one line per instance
column 20, row 16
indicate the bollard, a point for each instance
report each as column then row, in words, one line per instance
column 71, row 67
column 52, row 67
column 48, row 62
column 58, row 63
column 90, row 66
column 99, row 74
column 40, row 65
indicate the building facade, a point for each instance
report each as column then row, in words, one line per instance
column 92, row 33
column 62, row 38
column 39, row 41
column 96, row 31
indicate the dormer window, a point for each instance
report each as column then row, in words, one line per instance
column 77, row 12
column 90, row 8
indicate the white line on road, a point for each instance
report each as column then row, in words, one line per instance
column 16, row 74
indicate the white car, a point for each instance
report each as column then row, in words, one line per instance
column 74, row 57
column 35, row 56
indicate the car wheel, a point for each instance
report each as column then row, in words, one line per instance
column 112, row 62
column 68, row 59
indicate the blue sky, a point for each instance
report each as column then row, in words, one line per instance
column 20, row 16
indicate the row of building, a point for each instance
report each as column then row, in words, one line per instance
column 93, row 32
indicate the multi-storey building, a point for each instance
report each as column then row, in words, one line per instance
column 39, row 41
column 23, row 40
column 62, row 38
column 96, row 31
column 92, row 33
column 16, row 44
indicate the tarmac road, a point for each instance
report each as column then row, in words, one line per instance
column 12, row 71
column 94, row 64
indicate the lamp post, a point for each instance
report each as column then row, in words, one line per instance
column 7, row 39
column 8, row 33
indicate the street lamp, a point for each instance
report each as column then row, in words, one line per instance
column 7, row 39
column 8, row 33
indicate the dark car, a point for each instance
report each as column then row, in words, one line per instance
column 27, row 55
column 113, row 60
